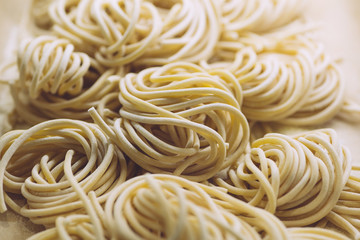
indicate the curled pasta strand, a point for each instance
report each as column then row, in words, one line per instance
column 190, row 32
column 312, row 233
column 124, row 50
column 76, row 225
column 291, row 177
column 154, row 206
column 219, row 64
column 346, row 213
column 259, row 15
column 56, row 82
column 350, row 111
column 115, row 32
column 184, row 210
column 290, row 79
column 33, row 165
column 176, row 119
column 49, row 64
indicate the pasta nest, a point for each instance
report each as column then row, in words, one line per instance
column 118, row 32
column 114, row 31
column 299, row 179
column 180, row 119
column 56, row 82
column 48, row 64
column 45, row 161
column 159, row 206
column 190, row 32
column 74, row 226
column 287, row 79
column 259, row 15
column 346, row 212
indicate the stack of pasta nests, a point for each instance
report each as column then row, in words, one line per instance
column 142, row 117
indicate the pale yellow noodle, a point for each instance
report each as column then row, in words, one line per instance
column 315, row 234
column 115, row 32
column 299, row 179
column 191, row 29
column 290, row 79
column 32, row 165
column 346, row 213
column 259, row 15
column 170, row 207
column 200, row 70
column 177, row 118
column 56, row 82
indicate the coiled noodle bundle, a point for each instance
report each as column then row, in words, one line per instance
column 114, row 31
column 191, row 29
column 180, row 119
column 161, row 206
column 299, row 179
column 346, row 213
column 169, row 207
column 178, row 89
column 56, row 82
column 290, row 80
column 259, row 15
column 119, row 32
column 34, row 164
column 50, row 65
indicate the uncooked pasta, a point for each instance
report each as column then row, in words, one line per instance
column 63, row 75
column 72, row 226
column 190, row 31
column 259, row 15
column 115, row 32
column 159, row 206
column 56, row 82
column 290, row 80
column 119, row 32
column 34, row 165
column 150, row 119
column 184, row 210
column 299, row 179
column 350, row 111
column 346, row 212
column 177, row 118
column 313, row 233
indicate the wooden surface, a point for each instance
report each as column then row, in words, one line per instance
column 339, row 30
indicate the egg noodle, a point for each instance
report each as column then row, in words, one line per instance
column 56, row 82
column 181, row 119
column 345, row 213
column 300, row 179
column 288, row 79
column 259, row 15
column 162, row 206
column 149, row 119
column 34, row 165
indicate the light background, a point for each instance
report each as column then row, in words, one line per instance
column 339, row 30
